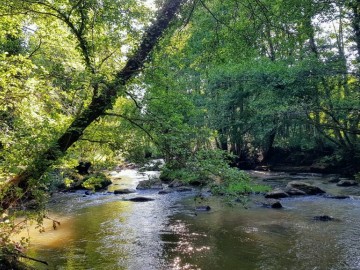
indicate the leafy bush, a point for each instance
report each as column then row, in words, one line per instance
column 68, row 182
column 211, row 167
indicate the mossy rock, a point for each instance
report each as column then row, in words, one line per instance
column 96, row 181
column 305, row 187
column 150, row 184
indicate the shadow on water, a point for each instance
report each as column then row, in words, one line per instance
column 105, row 232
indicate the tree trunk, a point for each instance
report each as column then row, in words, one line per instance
column 267, row 148
column 97, row 107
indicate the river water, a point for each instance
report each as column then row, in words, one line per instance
column 103, row 231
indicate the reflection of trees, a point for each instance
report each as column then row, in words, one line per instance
column 92, row 236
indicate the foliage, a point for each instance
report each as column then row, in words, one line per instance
column 96, row 182
column 211, row 167
column 264, row 75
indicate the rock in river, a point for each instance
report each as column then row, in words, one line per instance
column 276, row 194
column 338, row 197
column 294, row 191
column 124, row 191
column 140, row 199
column 272, row 204
column 305, row 187
column 323, row 218
column 347, row 183
column 203, row 208
column 334, row 179
column 150, row 184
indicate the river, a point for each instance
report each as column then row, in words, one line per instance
column 103, row 231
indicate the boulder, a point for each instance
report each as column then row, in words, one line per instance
column 141, row 199
column 124, row 191
column 347, row 183
column 305, row 187
column 294, row 191
column 272, row 203
column 276, row 194
column 150, row 184
column 89, row 192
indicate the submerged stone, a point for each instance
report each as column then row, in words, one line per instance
column 203, row 208
column 338, row 197
column 323, row 218
column 183, row 189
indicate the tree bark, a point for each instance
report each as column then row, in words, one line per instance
column 97, row 107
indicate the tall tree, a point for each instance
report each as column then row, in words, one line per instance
column 105, row 90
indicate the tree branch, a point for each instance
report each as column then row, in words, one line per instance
column 132, row 121
column 35, row 50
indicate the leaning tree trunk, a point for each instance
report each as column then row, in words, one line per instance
column 97, row 107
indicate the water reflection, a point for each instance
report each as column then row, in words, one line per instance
column 82, row 240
